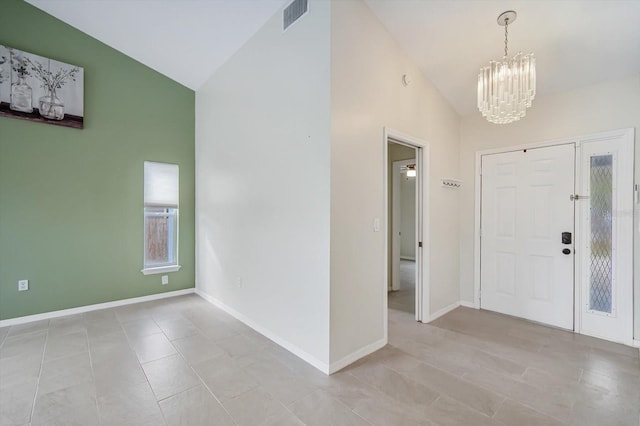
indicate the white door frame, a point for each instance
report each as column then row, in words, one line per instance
column 395, row 219
column 422, row 223
column 478, row 202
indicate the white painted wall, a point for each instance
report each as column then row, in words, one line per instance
column 606, row 106
column 367, row 94
column 262, row 173
column 407, row 217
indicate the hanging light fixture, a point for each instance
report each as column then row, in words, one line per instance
column 506, row 88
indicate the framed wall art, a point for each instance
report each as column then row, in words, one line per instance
column 40, row 89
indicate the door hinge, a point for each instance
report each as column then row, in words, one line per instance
column 420, row 244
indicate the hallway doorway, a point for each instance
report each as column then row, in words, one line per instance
column 403, row 219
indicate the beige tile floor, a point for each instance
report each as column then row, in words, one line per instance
column 181, row 361
column 404, row 299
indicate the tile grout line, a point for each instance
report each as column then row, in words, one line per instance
column 339, row 402
column 462, row 377
column 440, row 394
column 4, row 338
column 201, row 380
column 92, row 371
column 375, row 388
column 126, row 335
column 499, row 407
column 35, row 396
column 280, row 402
column 524, row 404
column 505, row 398
column 243, row 393
column 213, row 395
column 155, row 397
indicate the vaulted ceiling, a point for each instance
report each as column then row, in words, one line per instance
column 576, row 42
column 186, row 40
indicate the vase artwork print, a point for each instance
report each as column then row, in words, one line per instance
column 40, row 89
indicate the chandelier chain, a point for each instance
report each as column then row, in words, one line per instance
column 506, row 36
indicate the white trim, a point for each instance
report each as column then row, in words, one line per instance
column 354, row 356
column 636, row 343
column 468, row 304
column 161, row 269
column 577, row 242
column 385, row 234
column 322, row 366
column 476, row 231
column 96, row 307
column 422, row 225
column 443, row 311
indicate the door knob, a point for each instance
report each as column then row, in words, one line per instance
column 566, row 251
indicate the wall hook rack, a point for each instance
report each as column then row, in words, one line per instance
column 450, row 183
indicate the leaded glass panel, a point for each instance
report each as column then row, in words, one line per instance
column 601, row 180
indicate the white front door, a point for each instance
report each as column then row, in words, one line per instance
column 527, row 270
column 605, row 207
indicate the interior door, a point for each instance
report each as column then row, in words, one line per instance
column 527, row 226
column 605, row 204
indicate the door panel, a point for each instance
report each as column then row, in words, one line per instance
column 606, row 205
column 499, row 261
column 525, row 208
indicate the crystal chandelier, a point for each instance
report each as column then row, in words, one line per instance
column 506, row 88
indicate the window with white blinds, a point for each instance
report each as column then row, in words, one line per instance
column 161, row 200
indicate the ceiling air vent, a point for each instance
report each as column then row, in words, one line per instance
column 294, row 11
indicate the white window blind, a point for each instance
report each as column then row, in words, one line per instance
column 160, row 184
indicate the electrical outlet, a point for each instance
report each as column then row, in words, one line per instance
column 239, row 282
column 23, row 285
column 165, row 279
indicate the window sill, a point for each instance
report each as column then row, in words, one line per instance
column 161, row 269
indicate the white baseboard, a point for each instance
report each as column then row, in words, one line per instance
column 467, row 304
column 354, row 356
column 443, row 311
column 96, row 307
column 636, row 343
column 322, row 366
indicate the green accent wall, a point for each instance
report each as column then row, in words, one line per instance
column 71, row 213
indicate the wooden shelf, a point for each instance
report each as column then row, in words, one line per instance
column 68, row 120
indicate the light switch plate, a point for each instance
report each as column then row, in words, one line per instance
column 23, row 285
